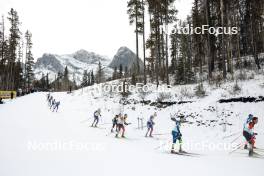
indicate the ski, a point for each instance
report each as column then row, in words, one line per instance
column 106, row 123
column 83, row 121
column 253, row 156
column 258, row 155
column 181, row 154
column 259, row 149
column 125, row 138
column 190, row 153
column 97, row 127
column 155, row 138
column 236, row 148
column 108, row 134
column 160, row 134
column 161, row 146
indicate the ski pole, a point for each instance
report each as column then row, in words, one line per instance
column 84, row 121
column 106, row 123
column 160, row 134
column 138, row 128
column 138, row 122
column 233, row 134
column 160, row 146
column 236, row 138
column 142, row 124
column 237, row 147
column 109, row 133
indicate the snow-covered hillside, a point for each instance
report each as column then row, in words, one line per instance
column 76, row 63
column 36, row 141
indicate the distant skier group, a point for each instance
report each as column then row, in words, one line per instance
column 119, row 123
column 53, row 104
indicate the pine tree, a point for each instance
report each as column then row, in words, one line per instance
column 175, row 40
column 12, row 47
column 89, row 79
column 66, row 81
column 120, row 71
column 47, row 82
column 85, row 79
column 100, row 77
column 144, row 41
column 135, row 12
column 126, row 72
column 114, row 77
column 2, row 53
column 92, row 78
column 29, row 60
column 66, row 73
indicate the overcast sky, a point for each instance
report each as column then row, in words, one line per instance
column 65, row 26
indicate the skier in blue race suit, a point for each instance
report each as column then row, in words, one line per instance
column 97, row 113
column 176, row 135
column 150, row 125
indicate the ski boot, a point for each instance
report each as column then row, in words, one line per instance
column 172, row 149
column 245, row 146
column 180, row 150
column 250, row 153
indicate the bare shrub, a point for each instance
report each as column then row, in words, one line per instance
column 164, row 96
column 185, row 92
column 200, row 90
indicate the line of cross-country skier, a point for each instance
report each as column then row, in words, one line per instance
column 53, row 104
column 119, row 123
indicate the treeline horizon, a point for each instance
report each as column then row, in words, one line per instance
column 197, row 57
column 188, row 58
column 16, row 58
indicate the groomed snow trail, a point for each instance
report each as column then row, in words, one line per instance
column 28, row 120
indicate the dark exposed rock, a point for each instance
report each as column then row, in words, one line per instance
column 243, row 100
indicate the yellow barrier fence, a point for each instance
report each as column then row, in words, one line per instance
column 7, row 94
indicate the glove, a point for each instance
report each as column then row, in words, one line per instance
column 173, row 119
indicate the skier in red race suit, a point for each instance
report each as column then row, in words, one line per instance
column 121, row 123
column 250, row 135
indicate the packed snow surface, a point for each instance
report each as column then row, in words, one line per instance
column 34, row 141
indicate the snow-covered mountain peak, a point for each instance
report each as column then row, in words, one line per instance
column 77, row 62
column 126, row 58
column 88, row 57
